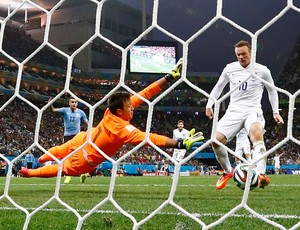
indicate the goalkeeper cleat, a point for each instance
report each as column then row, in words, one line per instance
column 263, row 181
column 24, row 172
column 67, row 179
column 223, row 180
column 82, row 178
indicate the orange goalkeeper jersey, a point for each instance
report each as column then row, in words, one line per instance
column 113, row 132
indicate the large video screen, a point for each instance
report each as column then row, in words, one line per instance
column 153, row 57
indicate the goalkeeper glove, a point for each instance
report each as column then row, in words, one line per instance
column 175, row 73
column 192, row 141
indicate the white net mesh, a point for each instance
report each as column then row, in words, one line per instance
column 109, row 198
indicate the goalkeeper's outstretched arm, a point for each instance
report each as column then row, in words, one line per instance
column 158, row 85
column 173, row 75
column 191, row 142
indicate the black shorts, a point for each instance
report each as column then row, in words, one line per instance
column 67, row 138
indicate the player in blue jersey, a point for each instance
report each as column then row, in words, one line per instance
column 73, row 118
column 29, row 159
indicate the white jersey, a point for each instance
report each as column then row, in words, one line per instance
column 277, row 161
column 242, row 138
column 180, row 135
column 242, row 143
column 178, row 154
column 248, row 94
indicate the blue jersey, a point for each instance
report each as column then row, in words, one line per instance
column 72, row 120
column 29, row 158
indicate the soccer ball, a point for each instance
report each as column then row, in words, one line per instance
column 240, row 176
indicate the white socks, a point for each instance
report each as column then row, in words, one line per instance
column 223, row 159
column 259, row 149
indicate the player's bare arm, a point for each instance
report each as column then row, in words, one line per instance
column 209, row 113
column 53, row 109
column 278, row 118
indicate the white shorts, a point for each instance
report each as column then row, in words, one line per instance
column 178, row 154
column 233, row 121
column 243, row 149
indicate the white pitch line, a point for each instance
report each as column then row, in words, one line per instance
column 163, row 213
column 146, row 185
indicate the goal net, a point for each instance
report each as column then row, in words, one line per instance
column 35, row 204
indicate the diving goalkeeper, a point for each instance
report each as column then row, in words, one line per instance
column 113, row 131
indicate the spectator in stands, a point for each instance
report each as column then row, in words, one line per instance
column 2, row 167
column 17, row 167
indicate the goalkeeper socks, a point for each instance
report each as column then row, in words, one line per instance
column 223, row 159
column 45, row 171
column 259, row 150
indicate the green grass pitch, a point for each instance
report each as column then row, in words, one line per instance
column 139, row 196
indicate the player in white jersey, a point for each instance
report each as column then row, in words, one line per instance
column 179, row 134
column 277, row 162
column 244, row 110
column 242, row 146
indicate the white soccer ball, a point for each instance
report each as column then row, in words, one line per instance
column 240, row 176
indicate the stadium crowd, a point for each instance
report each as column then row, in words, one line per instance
column 20, row 45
